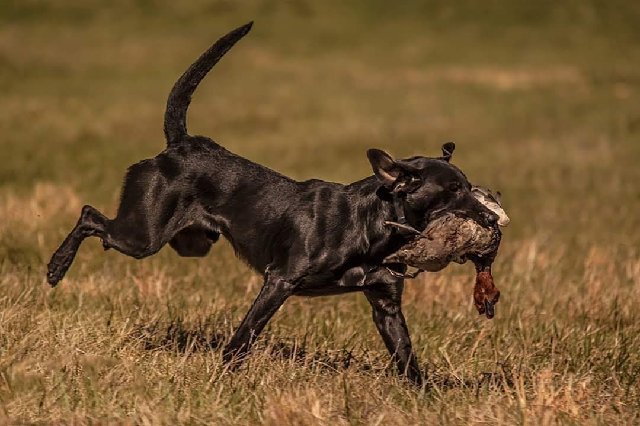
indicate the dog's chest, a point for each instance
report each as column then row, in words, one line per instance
column 358, row 278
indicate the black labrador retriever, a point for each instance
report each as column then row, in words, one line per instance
column 308, row 238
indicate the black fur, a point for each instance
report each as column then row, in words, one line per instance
column 308, row 238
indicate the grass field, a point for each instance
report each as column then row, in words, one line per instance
column 543, row 100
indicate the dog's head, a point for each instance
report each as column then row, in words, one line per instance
column 429, row 187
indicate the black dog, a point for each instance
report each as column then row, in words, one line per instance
column 308, row 238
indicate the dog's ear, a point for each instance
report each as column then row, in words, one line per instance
column 386, row 168
column 447, row 151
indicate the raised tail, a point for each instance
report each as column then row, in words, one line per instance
column 175, row 117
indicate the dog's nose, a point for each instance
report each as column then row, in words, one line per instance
column 490, row 218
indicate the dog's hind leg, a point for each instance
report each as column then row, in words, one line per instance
column 387, row 315
column 90, row 223
column 273, row 294
column 93, row 223
column 149, row 215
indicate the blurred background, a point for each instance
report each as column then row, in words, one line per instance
column 542, row 99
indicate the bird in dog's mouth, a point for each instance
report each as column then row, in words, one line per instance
column 454, row 238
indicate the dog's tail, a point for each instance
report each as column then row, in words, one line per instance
column 175, row 117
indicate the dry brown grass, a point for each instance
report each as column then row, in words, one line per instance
column 542, row 103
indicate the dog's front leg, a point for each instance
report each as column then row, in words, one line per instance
column 387, row 315
column 273, row 294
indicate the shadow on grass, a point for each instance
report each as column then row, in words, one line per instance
column 326, row 360
column 503, row 379
column 196, row 337
column 180, row 337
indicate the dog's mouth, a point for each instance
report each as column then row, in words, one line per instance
column 486, row 219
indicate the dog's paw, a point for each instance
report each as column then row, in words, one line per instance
column 57, row 268
column 233, row 357
column 55, row 273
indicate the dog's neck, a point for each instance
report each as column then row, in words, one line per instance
column 380, row 207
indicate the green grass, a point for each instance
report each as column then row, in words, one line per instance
column 543, row 100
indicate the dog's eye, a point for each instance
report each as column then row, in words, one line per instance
column 454, row 186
